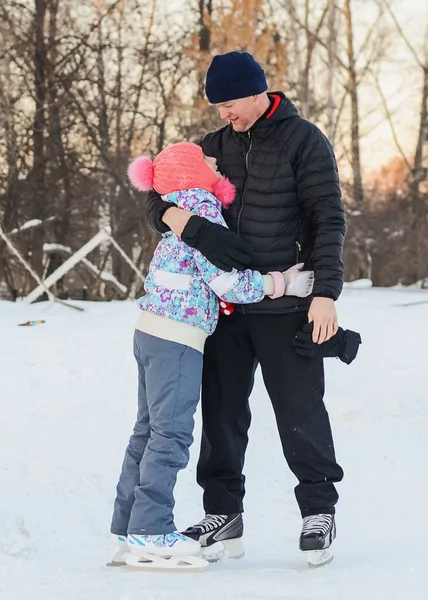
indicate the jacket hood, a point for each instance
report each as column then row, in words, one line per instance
column 285, row 110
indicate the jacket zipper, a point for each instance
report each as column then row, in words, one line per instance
column 247, row 154
column 298, row 251
column 245, row 184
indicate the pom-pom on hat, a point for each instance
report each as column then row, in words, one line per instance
column 141, row 173
column 179, row 167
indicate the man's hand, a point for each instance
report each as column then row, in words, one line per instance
column 176, row 219
column 322, row 313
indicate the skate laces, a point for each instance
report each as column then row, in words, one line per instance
column 210, row 522
column 160, row 541
column 168, row 539
column 317, row 524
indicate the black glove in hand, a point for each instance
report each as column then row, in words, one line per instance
column 225, row 249
column 344, row 344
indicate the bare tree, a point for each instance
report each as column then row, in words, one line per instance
column 418, row 171
column 84, row 91
column 332, row 51
column 38, row 173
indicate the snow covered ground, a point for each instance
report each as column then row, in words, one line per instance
column 67, row 395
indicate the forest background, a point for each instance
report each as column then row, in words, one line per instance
column 87, row 85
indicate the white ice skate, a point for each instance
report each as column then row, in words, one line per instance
column 318, row 533
column 172, row 551
column 121, row 551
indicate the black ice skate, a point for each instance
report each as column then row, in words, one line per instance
column 318, row 533
column 219, row 535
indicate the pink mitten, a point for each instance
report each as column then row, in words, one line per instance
column 297, row 282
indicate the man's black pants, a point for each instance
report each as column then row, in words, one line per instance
column 295, row 385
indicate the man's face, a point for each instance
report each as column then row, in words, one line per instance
column 242, row 113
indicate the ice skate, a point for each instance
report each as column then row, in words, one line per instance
column 121, row 551
column 318, row 533
column 220, row 536
column 172, row 551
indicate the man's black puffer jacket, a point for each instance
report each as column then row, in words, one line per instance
column 288, row 203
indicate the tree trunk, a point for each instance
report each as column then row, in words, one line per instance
column 332, row 39
column 419, row 173
column 353, row 92
column 57, row 150
column 304, row 80
column 205, row 11
column 38, row 175
column 105, row 212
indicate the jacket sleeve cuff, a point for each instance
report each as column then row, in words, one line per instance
column 325, row 294
column 278, row 284
column 162, row 227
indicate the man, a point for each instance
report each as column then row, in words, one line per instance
column 289, row 209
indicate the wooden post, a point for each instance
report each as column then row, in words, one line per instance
column 68, row 264
column 42, row 285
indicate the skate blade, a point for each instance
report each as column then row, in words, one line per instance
column 176, row 564
column 318, row 558
column 116, row 563
column 224, row 549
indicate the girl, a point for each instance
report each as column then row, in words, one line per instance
column 178, row 312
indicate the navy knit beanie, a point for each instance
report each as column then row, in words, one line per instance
column 234, row 75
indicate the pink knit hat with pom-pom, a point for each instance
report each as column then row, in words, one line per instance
column 179, row 167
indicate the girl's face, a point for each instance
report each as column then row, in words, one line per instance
column 211, row 162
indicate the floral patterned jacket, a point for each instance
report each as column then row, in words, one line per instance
column 183, row 285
